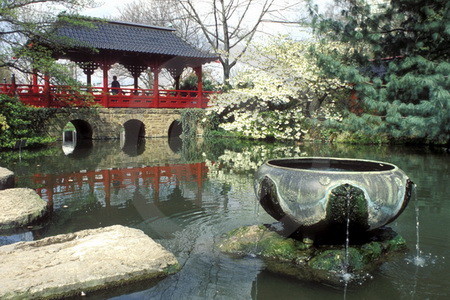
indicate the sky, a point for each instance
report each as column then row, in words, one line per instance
column 112, row 8
column 108, row 8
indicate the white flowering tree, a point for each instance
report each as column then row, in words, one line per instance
column 278, row 93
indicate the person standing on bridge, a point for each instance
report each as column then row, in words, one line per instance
column 115, row 86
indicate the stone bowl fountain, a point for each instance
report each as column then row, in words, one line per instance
column 317, row 196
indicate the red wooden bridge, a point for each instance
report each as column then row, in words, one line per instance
column 101, row 45
column 63, row 96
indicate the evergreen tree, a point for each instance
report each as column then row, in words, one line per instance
column 398, row 63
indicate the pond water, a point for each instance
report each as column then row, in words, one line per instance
column 187, row 196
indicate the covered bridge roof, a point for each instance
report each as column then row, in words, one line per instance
column 119, row 39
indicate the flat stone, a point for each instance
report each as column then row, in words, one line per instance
column 20, row 207
column 6, row 179
column 76, row 263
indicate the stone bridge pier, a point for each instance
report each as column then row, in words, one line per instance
column 114, row 123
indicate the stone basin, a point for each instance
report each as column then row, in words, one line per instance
column 315, row 195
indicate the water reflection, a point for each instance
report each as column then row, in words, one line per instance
column 14, row 238
column 187, row 196
column 77, row 149
column 134, row 147
column 175, row 144
column 124, row 195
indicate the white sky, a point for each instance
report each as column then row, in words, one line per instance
column 105, row 9
column 112, row 8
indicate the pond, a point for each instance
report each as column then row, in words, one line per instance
column 187, row 196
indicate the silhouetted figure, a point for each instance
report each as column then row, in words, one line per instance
column 115, row 86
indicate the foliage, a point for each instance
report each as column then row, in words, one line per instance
column 190, row 119
column 190, row 84
column 26, row 27
column 20, row 122
column 279, row 94
column 398, row 60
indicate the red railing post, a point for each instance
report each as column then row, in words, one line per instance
column 105, row 99
column 13, row 89
column 156, row 85
column 47, row 96
column 35, row 82
column 198, row 72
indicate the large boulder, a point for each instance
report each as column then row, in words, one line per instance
column 307, row 261
column 76, row 263
column 20, row 207
column 6, row 179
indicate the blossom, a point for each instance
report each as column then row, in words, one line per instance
column 278, row 93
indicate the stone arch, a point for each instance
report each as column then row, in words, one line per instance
column 83, row 129
column 134, row 129
column 134, row 137
column 175, row 129
column 174, row 133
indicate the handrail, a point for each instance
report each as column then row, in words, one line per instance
column 60, row 96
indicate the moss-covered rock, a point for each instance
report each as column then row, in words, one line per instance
column 347, row 202
column 337, row 260
column 259, row 241
column 305, row 260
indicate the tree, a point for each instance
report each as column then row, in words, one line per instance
column 26, row 20
column 164, row 13
column 223, row 26
column 398, row 61
column 279, row 94
column 226, row 27
column 21, row 122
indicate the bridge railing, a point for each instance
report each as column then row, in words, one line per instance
column 62, row 96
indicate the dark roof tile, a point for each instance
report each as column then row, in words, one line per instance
column 130, row 37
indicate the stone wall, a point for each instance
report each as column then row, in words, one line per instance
column 107, row 123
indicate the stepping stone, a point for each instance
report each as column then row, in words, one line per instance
column 6, row 179
column 80, row 262
column 20, row 207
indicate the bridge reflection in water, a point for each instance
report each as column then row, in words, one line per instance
column 133, row 196
column 154, row 178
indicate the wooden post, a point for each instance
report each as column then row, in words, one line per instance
column 105, row 67
column 177, row 82
column 156, row 85
column 88, row 69
column 47, row 96
column 136, row 86
column 35, row 88
column 88, row 79
column 198, row 72
column 13, row 85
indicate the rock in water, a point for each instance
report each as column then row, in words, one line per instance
column 6, row 179
column 20, row 207
column 83, row 261
column 304, row 260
